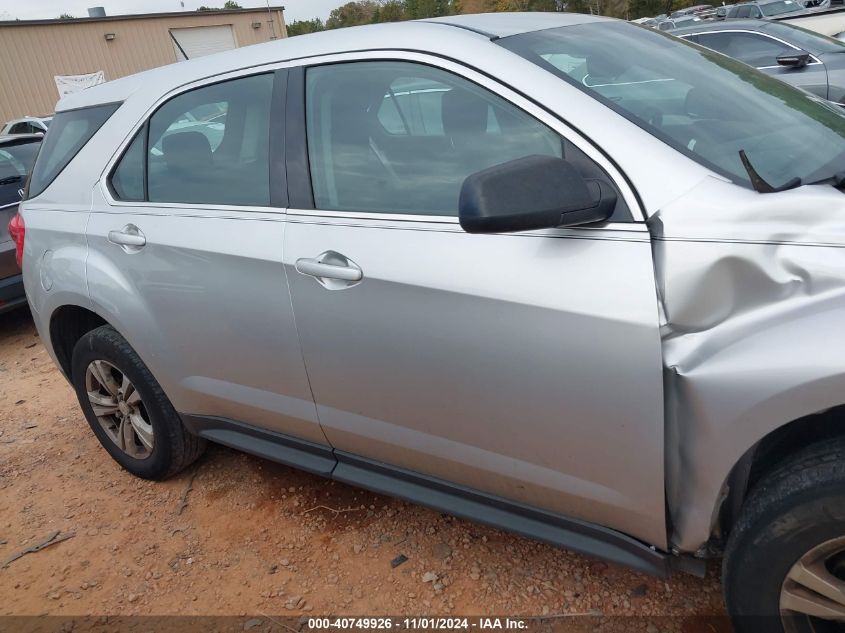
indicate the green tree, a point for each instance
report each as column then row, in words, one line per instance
column 392, row 11
column 352, row 14
column 65, row 16
column 301, row 27
column 231, row 4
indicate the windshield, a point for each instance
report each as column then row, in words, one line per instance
column 781, row 6
column 705, row 105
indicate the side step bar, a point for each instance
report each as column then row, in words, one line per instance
column 580, row 536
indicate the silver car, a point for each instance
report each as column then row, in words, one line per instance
column 484, row 263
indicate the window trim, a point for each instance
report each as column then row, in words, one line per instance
column 276, row 135
column 815, row 60
column 524, row 103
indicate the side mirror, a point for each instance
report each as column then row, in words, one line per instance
column 535, row 192
column 798, row 59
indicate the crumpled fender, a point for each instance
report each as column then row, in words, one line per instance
column 752, row 295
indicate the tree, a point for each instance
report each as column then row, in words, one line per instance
column 392, row 11
column 301, row 27
column 231, row 4
column 65, row 16
column 352, row 14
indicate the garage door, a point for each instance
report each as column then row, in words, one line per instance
column 202, row 40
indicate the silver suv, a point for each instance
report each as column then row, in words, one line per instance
column 486, row 263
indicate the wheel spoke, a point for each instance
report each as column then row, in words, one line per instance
column 125, row 386
column 143, row 430
column 817, row 578
column 102, row 372
column 102, row 404
column 797, row 599
column 125, row 435
column 131, row 395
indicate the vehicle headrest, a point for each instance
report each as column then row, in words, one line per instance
column 186, row 149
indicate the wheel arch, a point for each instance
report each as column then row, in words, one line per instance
column 763, row 456
column 69, row 323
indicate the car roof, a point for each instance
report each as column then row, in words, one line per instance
column 422, row 35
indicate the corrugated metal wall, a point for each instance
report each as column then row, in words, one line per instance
column 31, row 54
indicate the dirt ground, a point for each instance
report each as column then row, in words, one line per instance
column 259, row 538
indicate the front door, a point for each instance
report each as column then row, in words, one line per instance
column 525, row 366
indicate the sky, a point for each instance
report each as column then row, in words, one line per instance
column 36, row 9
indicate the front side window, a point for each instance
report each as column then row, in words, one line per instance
column 705, row 105
column 207, row 146
column 68, row 134
column 398, row 137
column 754, row 50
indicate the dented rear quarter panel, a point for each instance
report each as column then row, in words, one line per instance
column 752, row 288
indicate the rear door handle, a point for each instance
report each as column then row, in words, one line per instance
column 129, row 235
column 331, row 269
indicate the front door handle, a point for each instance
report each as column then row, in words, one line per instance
column 314, row 268
column 331, row 269
column 129, row 235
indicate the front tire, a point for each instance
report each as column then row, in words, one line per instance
column 127, row 408
column 784, row 565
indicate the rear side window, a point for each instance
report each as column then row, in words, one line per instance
column 207, row 146
column 69, row 132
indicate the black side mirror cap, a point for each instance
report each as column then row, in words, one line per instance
column 798, row 59
column 535, row 192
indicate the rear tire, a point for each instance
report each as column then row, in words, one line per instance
column 792, row 517
column 134, row 421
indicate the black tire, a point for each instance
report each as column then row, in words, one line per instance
column 796, row 507
column 174, row 448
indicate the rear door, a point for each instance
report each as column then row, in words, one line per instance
column 526, row 366
column 186, row 237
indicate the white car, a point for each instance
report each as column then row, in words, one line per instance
column 27, row 125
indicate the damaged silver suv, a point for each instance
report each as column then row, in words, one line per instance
column 483, row 263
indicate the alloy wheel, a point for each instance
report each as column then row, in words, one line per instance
column 119, row 409
column 812, row 598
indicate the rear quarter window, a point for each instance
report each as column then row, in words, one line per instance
column 68, row 133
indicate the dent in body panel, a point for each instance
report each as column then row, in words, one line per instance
column 753, row 298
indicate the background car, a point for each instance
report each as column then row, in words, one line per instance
column 17, row 154
column 765, row 9
column 684, row 21
column 797, row 56
column 27, row 125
